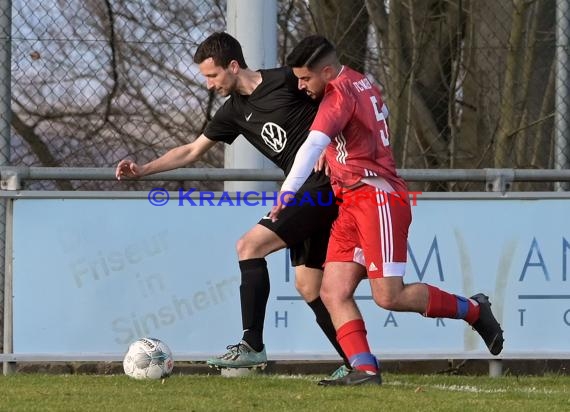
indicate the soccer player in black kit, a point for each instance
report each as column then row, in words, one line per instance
column 269, row 110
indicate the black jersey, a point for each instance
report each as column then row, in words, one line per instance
column 275, row 118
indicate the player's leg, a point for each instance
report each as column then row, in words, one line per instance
column 384, row 234
column 308, row 258
column 337, row 291
column 308, row 284
column 252, row 248
column 392, row 294
column 343, row 271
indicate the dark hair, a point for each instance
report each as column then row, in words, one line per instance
column 221, row 47
column 310, row 51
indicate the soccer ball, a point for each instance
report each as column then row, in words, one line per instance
column 148, row 358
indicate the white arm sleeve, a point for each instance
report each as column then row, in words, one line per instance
column 305, row 160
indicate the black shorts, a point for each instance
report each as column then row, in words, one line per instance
column 305, row 226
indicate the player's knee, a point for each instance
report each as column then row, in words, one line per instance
column 309, row 291
column 246, row 249
column 332, row 296
column 386, row 301
column 326, row 296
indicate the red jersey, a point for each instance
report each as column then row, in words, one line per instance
column 351, row 114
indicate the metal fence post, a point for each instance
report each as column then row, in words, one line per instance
column 495, row 368
column 498, row 180
column 562, row 103
column 5, row 120
column 254, row 24
column 10, row 180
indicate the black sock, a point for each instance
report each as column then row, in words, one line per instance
column 254, row 293
column 324, row 320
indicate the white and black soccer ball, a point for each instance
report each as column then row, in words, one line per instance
column 148, row 358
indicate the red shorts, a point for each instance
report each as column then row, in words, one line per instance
column 372, row 229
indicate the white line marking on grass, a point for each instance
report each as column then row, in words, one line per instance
column 475, row 389
column 298, row 377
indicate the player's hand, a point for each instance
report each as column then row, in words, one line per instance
column 322, row 164
column 127, row 168
column 283, row 199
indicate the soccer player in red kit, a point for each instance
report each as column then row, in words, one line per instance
column 369, row 236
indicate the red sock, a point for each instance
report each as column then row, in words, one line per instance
column 445, row 305
column 352, row 338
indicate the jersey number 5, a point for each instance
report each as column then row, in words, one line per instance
column 380, row 118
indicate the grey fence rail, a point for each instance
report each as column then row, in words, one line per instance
column 496, row 179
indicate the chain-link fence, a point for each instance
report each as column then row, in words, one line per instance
column 97, row 81
column 469, row 83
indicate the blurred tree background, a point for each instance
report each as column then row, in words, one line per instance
column 469, row 83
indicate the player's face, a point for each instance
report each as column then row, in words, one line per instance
column 312, row 82
column 222, row 81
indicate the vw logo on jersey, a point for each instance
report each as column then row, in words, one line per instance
column 274, row 136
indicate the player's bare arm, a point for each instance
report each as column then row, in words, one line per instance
column 178, row 157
